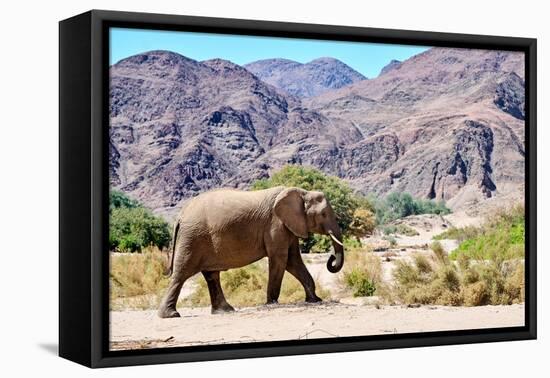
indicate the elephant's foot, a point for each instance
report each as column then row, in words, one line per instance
column 168, row 313
column 314, row 299
column 272, row 302
column 221, row 309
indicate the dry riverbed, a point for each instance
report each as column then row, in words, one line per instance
column 143, row 329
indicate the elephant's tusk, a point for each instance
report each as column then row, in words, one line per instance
column 335, row 239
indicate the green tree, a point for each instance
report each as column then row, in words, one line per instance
column 118, row 199
column 133, row 227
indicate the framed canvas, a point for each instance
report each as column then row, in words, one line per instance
column 236, row 188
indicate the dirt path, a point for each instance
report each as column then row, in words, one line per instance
column 143, row 329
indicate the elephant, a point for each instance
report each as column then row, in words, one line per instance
column 228, row 228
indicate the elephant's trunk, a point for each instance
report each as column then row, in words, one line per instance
column 336, row 261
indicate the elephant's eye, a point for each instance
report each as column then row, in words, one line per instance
column 324, row 214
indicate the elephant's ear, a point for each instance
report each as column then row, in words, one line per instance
column 289, row 207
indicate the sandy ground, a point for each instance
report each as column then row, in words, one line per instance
column 347, row 316
column 143, row 329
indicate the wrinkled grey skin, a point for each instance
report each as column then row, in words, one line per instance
column 226, row 229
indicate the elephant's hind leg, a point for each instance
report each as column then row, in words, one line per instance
column 219, row 304
column 167, row 307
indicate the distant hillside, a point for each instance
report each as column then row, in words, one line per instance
column 305, row 80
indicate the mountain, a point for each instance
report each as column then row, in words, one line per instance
column 305, row 80
column 448, row 124
column 451, row 121
column 392, row 65
column 179, row 127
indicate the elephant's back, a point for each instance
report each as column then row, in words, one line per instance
column 221, row 207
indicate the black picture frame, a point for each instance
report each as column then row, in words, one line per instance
column 84, row 188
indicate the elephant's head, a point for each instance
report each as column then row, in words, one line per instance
column 305, row 212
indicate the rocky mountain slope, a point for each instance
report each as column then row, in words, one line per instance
column 451, row 123
column 305, row 80
column 446, row 124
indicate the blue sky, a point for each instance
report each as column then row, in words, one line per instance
column 367, row 58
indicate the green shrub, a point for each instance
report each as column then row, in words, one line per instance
column 118, row 199
column 359, row 282
column 398, row 205
column 133, row 227
column 351, row 243
column 401, row 229
column 362, row 274
column 459, row 234
column 391, row 239
column 501, row 238
column 389, row 229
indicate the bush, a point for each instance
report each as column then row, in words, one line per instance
column 399, row 205
column 501, row 238
column 359, row 282
column 133, row 227
column 362, row 273
column 354, row 213
column 459, row 234
column 118, row 199
column 468, row 283
column 391, row 239
column 401, row 229
column 363, row 223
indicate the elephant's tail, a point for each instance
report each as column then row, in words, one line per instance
column 174, row 238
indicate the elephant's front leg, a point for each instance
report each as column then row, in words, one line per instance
column 277, row 264
column 297, row 268
column 219, row 304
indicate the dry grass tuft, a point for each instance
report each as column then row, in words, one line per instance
column 137, row 280
column 465, row 283
column 439, row 253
